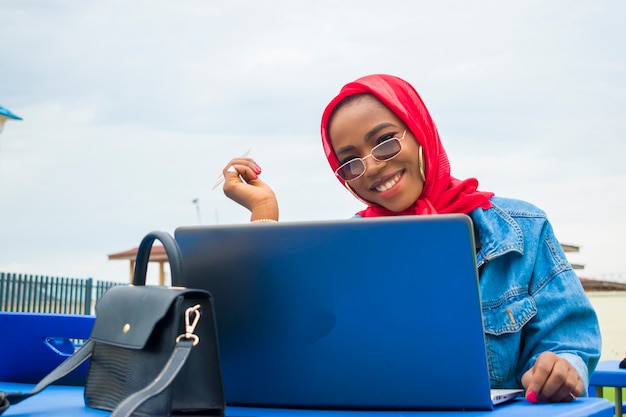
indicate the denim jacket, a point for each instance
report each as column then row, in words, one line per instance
column 532, row 300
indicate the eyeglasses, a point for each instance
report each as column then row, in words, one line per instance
column 384, row 151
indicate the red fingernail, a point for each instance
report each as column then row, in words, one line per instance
column 258, row 168
column 531, row 396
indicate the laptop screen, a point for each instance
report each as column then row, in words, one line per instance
column 360, row 313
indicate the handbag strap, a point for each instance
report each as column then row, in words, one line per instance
column 124, row 409
column 162, row 381
column 174, row 258
column 67, row 366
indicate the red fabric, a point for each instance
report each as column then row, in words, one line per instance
column 442, row 193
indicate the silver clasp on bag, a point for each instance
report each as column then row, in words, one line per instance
column 192, row 315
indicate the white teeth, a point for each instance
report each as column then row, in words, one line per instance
column 389, row 184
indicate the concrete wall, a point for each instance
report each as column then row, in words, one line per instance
column 611, row 309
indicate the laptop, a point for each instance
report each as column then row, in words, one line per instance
column 377, row 314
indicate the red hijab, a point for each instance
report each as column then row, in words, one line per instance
column 442, row 193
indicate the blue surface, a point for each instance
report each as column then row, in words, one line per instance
column 54, row 401
column 67, row 401
column 64, row 401
column 608, row 374
column 36, row 343
column 589, row 407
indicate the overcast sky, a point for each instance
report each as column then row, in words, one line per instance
column 132, row 108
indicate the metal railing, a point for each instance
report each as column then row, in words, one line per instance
column 43, row 294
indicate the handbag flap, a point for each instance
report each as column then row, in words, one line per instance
column 127, row 315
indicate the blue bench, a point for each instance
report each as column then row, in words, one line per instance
column 33, row 344
column 609, row 374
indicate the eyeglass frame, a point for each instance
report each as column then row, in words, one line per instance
column 362, row 160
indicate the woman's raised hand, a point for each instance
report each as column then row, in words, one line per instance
column 243, row 185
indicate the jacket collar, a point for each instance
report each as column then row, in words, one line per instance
column 497, row 233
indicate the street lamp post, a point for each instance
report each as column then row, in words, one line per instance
column 196, row 202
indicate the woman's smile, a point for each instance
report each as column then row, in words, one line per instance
column 386, row 183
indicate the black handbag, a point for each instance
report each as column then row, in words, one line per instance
column 153, row 350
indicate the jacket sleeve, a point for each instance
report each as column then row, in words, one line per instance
column 566, row 323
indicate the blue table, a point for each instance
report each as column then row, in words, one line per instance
column 608, row 374
column 67, row 401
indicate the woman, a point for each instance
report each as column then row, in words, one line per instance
column 541, row 331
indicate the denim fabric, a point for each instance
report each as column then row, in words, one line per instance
column 532, row 300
